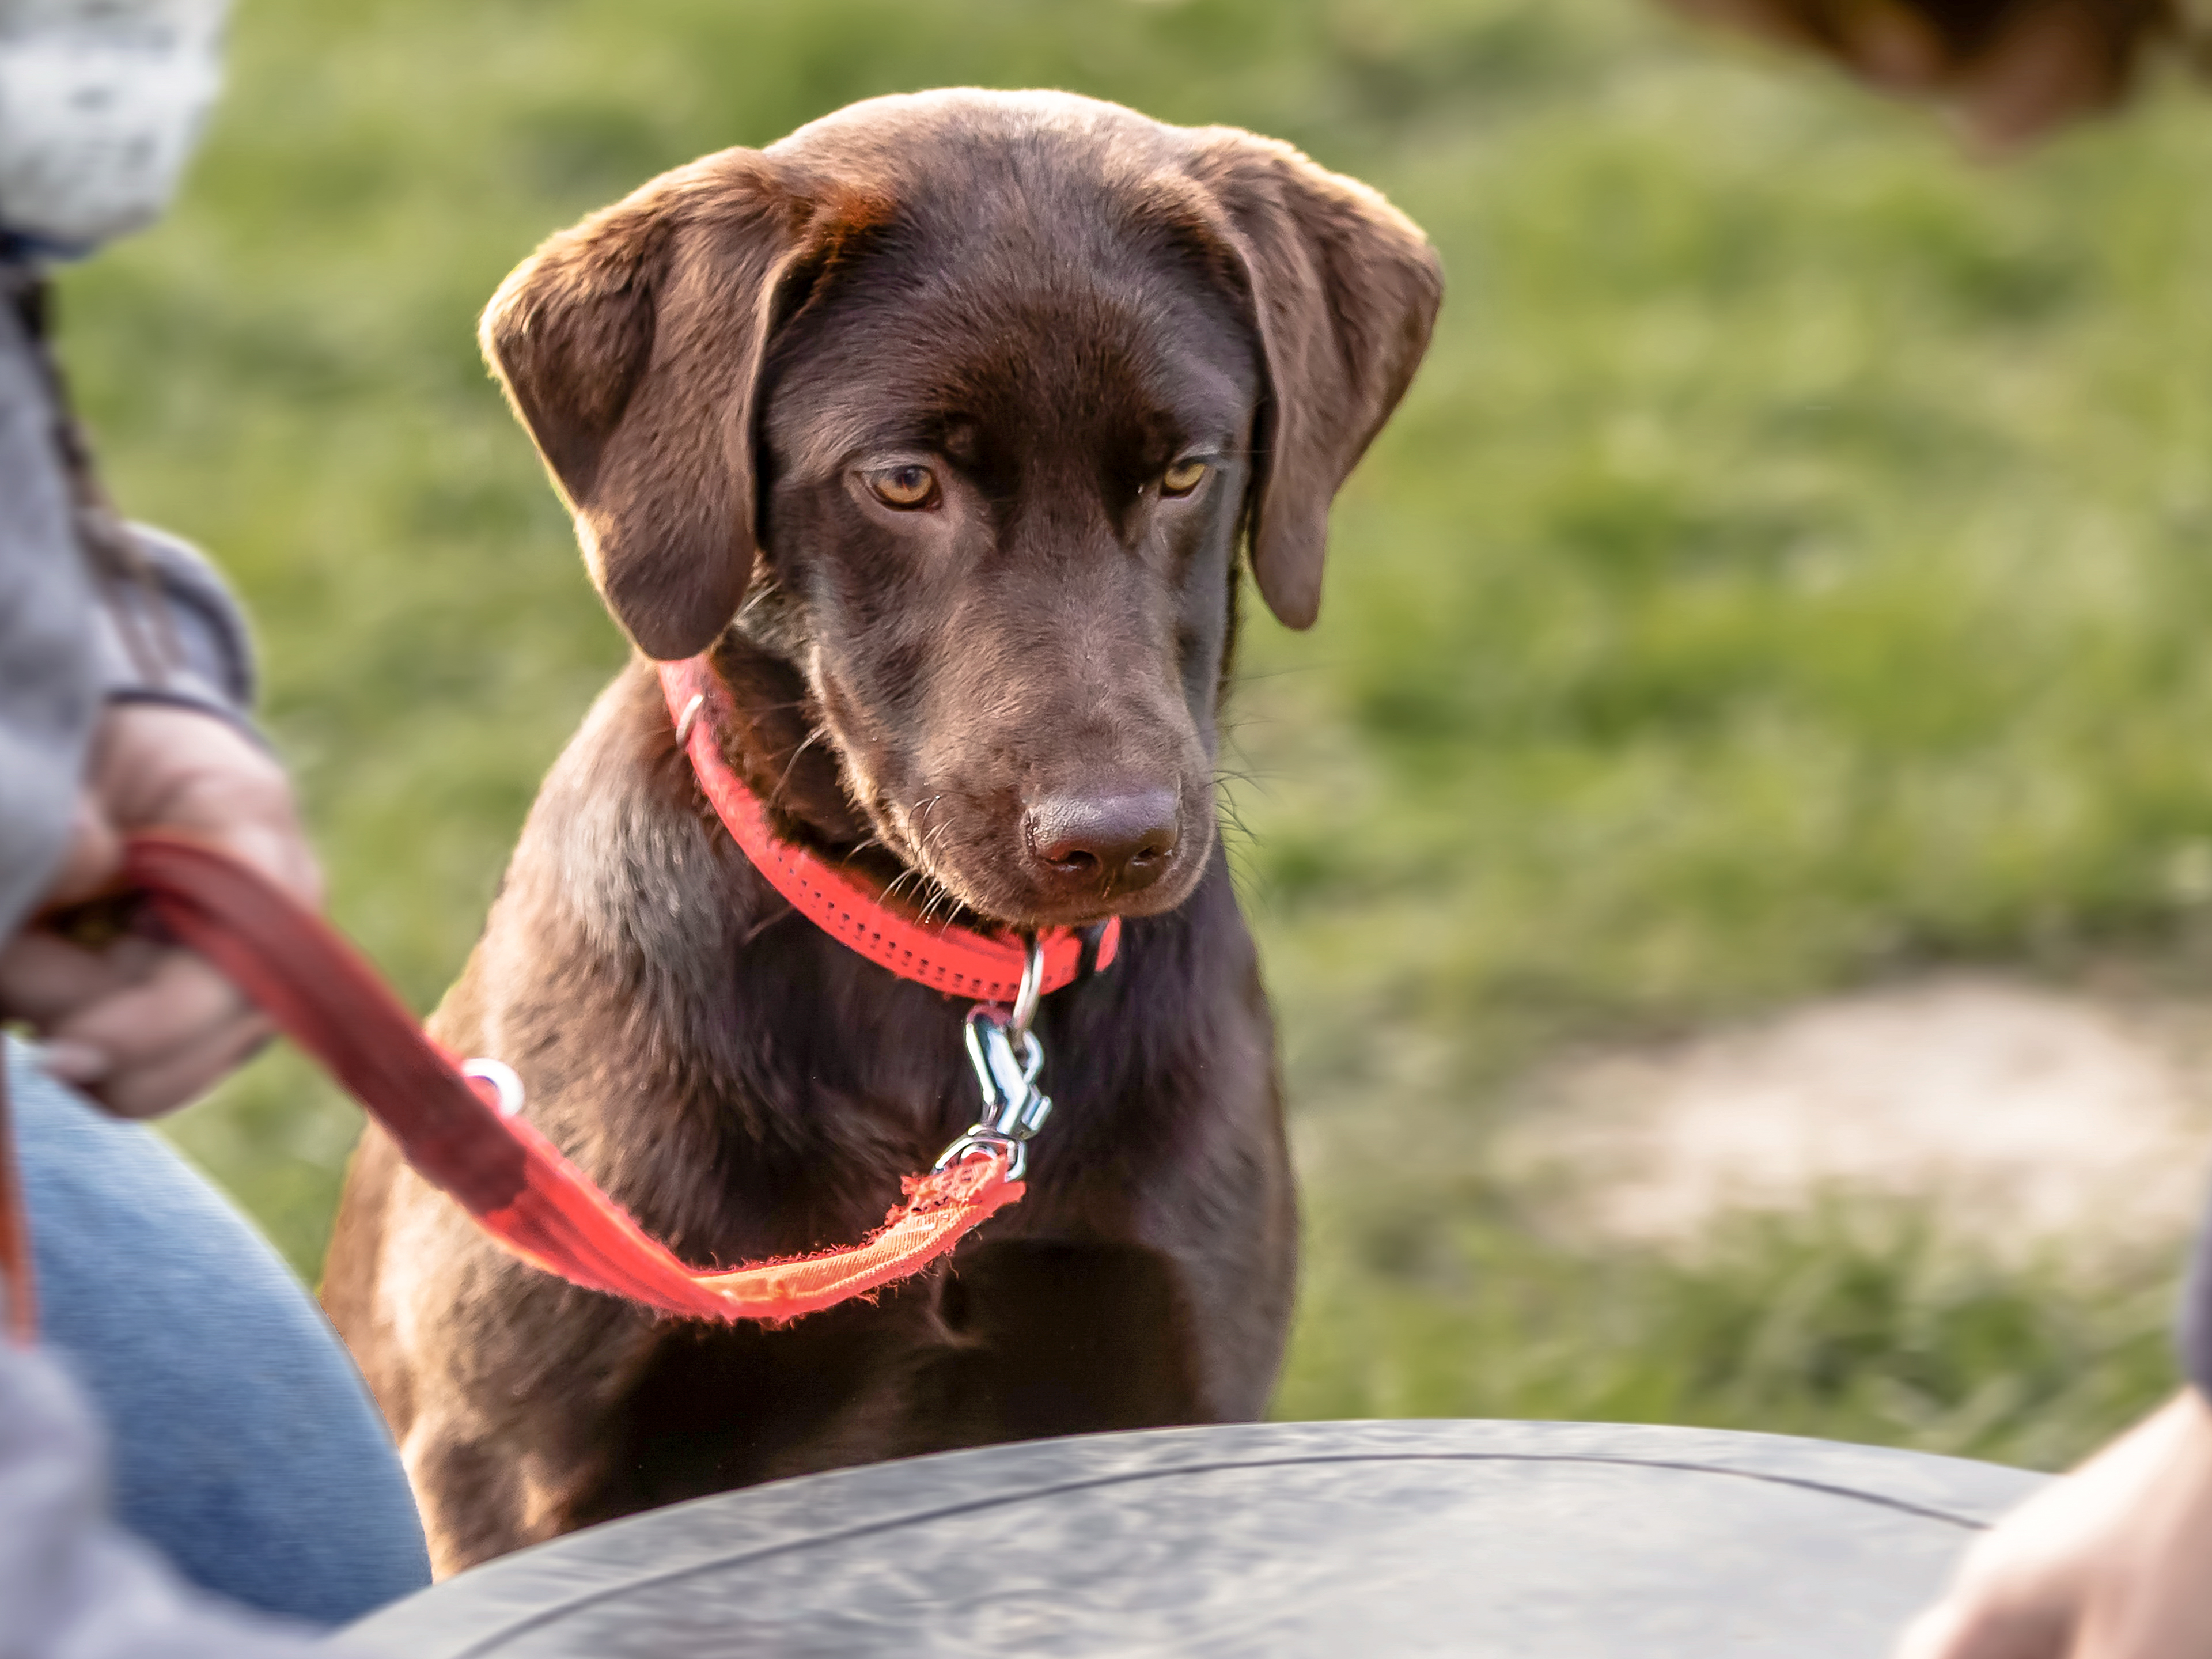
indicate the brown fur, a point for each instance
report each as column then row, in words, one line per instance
column 2098, row 46
column 1047, row 301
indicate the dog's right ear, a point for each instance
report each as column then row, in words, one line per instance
column 1344, row 289
column 631, row 346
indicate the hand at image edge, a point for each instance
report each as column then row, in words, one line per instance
column 141, row 1026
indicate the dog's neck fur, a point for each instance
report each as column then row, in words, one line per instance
column 776, row 738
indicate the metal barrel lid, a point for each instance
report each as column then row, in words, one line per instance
column 1524, row 1540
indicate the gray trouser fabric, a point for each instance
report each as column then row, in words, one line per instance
column 49, row 675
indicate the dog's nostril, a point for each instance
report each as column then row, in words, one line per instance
column 1118, row 839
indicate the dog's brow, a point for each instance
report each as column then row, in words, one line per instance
column 1201, row 438
column 838, row 440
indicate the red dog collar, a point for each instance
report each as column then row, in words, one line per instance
column 958, row 961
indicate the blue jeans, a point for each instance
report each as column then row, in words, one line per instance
column 246, row 1448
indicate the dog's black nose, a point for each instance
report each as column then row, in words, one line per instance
column 1113, row 842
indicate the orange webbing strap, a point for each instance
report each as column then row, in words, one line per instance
column 17, row 1281
column 327, row 999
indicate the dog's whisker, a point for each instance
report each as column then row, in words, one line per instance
column 940, row 897
column 1229, row 815
column 815, row 734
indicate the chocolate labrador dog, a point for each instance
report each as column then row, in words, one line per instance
column 938, row 426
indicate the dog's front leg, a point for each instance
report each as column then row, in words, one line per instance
column 510, row 1381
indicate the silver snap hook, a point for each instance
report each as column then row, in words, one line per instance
column 1030, row 991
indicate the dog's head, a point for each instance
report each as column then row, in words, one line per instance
column 958, row 406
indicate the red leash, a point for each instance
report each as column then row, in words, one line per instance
column 516, row 1184
column 17, row 1281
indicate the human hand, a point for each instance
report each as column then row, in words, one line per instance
column 2035, row 69
column 141, row 1026
column 2113, row 1562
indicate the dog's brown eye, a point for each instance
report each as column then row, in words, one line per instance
column 904, row 486
column 1183, row 478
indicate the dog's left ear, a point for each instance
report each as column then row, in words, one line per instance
column 1345, row 290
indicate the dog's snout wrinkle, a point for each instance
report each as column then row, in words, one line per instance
column 1107, row 841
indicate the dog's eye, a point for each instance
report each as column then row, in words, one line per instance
column 1183, row 478
column 904, row 486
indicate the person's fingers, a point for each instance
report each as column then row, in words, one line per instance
column 2107, row 1563
column 162, row 1009
column 170, row 1010
column 184, row 1074
column 2017, row 1595
column 160, row 768
column 140, row 1028
column 1933, row 1635
column 45, row 979
column 2152, row 1596
column 1966, row 1625
column 144, row 1026
column 249, row 813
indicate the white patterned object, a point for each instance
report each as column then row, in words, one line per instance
column 100, row 104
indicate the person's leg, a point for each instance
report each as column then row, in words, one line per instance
column 246, row 1447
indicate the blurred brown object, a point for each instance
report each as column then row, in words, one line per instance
column 18, row 1284
column 2011, row 70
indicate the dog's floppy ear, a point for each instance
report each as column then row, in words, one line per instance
column 630, row 345
column 1346, row 289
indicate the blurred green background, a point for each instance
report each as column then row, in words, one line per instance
column 1787, row 572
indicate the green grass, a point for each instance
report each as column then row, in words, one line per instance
column 1788, row 570
column 1850, row 1322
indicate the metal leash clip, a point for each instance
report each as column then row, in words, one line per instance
column 1007, row 1057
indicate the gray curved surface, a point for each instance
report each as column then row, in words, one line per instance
column 1536, row 1541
